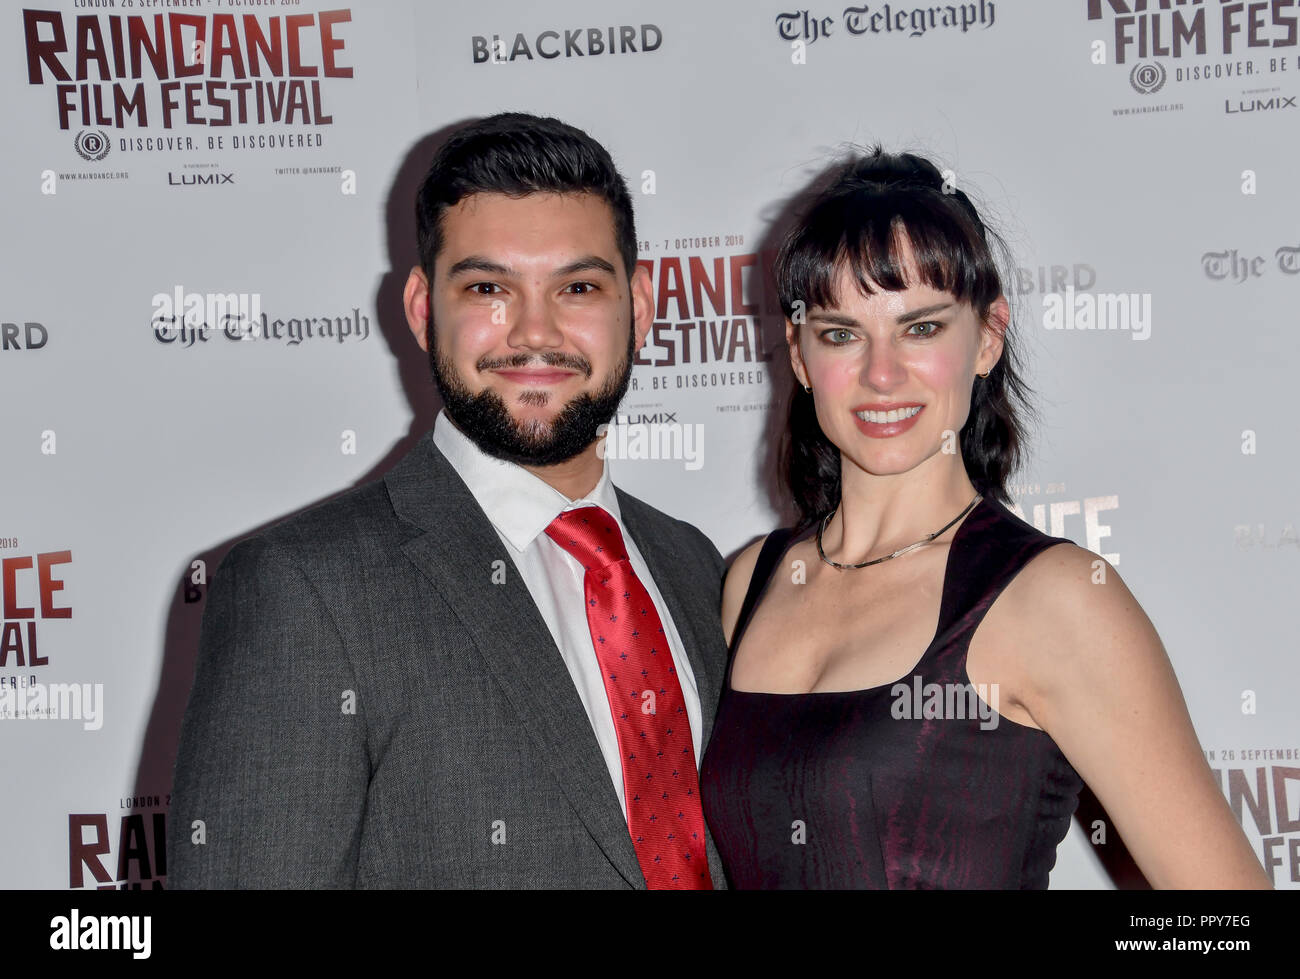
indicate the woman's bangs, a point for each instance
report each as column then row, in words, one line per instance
column 871, row 235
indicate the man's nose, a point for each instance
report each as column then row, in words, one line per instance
column 534, row 325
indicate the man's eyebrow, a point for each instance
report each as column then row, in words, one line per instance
column 588, row 263
column 478, row 263
column 842, row 319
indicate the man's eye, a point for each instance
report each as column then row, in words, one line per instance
column 583, row 287
column 478, row 287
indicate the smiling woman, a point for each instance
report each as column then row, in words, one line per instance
column 906, row 573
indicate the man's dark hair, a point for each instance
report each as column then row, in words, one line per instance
column 516, row 153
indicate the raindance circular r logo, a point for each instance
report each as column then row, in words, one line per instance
column 1147, row 77
column 92, row 144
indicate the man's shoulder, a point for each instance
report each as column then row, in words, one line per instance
column 346, row 528
column 364, row 519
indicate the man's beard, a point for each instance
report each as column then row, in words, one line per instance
column 485, row 418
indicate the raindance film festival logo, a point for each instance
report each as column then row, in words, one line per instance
column 92, row 145
column 1221, row 41
column 139, row 71
column 133, row 858
column 29, row 584
column 710, row 312
column 1262, row 786
column 1172, row 32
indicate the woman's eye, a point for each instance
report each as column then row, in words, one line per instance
column 933, row 329
column 837, row 336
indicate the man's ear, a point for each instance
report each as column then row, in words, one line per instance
column 643, row 305
column 415, row 300
column 994, row 329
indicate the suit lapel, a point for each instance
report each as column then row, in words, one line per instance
column 687, row 607
column 456, row 553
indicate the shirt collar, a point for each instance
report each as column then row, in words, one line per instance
column 518, row 504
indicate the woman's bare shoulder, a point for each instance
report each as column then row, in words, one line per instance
column 1078, row 618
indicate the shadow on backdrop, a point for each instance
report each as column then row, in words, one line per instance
column 181, row 639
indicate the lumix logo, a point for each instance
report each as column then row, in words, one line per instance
column 1259, row 105
column 199, row 179
column 92, row 145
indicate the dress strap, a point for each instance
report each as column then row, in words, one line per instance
column 768, row 556
column 991, row 547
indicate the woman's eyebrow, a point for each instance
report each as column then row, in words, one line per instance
column 843, row 319
column 924, row 311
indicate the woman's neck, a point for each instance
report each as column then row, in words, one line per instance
column 880, row 514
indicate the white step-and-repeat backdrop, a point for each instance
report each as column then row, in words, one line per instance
column 166, row 163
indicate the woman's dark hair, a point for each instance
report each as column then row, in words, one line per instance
column 871, row 207
column 516, row 153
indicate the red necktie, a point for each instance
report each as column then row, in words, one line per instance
column 660, row 782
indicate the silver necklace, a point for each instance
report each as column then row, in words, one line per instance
column 902, row 550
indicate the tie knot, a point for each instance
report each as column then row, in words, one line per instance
column 590, row 534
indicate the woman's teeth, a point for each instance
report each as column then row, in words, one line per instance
column 885, row 417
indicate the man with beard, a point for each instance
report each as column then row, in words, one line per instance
column 491, row 668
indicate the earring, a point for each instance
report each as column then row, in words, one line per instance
column 808, row 388
column 985, row 374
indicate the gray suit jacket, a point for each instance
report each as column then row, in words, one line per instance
column 370, row 710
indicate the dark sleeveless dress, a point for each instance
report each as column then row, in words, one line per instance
column 873, row 788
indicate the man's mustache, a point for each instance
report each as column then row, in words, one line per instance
column 553, row 359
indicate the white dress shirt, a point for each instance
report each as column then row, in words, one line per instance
column 521, row 506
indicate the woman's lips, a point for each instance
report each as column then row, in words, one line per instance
column 884, row 430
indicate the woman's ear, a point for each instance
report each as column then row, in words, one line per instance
column 994, row 328
column 796, row 356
